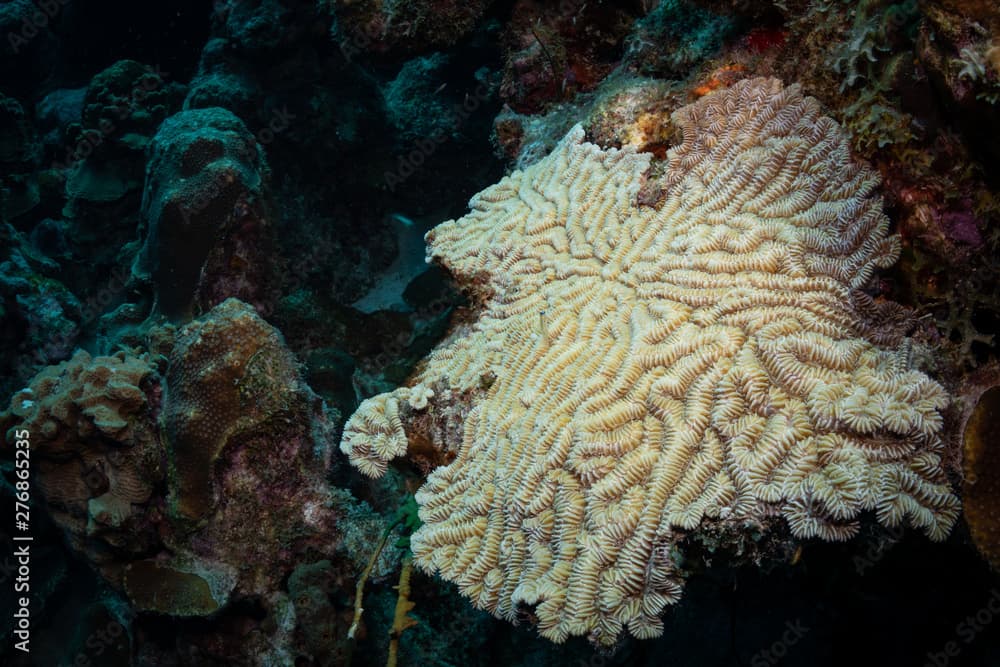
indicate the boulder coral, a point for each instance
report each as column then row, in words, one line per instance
column 230, row 378
column 633, row 374
column 204, row 207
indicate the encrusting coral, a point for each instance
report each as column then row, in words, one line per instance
column 96, row 452
column 231, row 379
column 637, row 372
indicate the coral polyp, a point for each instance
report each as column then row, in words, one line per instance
column 657, row 370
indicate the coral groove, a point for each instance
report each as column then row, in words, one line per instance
column 638, row 372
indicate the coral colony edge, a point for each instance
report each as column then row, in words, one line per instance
column 500, row 333
column 638, row 372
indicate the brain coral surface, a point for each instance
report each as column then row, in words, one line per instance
column 636, row 373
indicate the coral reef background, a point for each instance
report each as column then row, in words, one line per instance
column 212, row 243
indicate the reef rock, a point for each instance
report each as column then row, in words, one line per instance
column 637, row 373
column 96, row 453
column 676, row 37
column 555, row 50
column 959, row 46
column 198, row 492
column 261, row 28
column 391, row 27
column 623, row 111
column 19, row 147
column 122, row 108
column 249, row 445
column 20, row 153
column 981, row 461
column 204, row 209
column 41, row 316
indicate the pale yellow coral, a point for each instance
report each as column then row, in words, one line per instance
column 375, row 434
column 419, row 396
column 638, row 372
